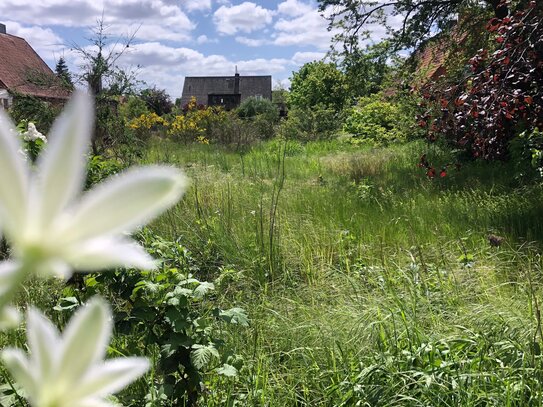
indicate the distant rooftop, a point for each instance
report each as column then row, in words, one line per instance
column 23, row 71
column 226, row 90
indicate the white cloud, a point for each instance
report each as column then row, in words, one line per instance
column 196, row 5
column 245, row 17
column 294, row 8
column 159, row 19
column 301, row 58
column 251, row 42
column 204, row 39
column 262, row 66
column 308, row 29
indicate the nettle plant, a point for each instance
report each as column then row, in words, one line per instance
column 53, row 231
column 165, row 313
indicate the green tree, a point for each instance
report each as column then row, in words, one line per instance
column 419, row 19
column 366, row 69
column 318, row 83
column 99, row 67
column 157, row 100
column 62, row 72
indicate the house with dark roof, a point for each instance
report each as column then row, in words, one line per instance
column 23, row 72
column 225, row 91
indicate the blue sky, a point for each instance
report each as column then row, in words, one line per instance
column 178, row 38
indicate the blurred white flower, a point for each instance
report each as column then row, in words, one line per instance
column 49, row 229
column 33, row 134
column 68, row 370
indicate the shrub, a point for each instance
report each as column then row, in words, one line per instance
column 157, row 100
column 527, row 153
column 32, row 109
column 144, row 124
column 318, row 83
column 262, row 113
column 252, row 107
column 133, row 107
column 166, row 314
column 318, row 123
column 374, row 121
column 194, row 124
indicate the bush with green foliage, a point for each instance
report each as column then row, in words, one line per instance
column 263, row 115
column 34, row 110
column 526, row 151
column 318, row 84
column 252, row 107
column 133, row 107
column 319, row 123
column 99, row 168
column 374, row 121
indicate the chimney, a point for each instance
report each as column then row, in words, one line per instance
column 236, row 82
column 2, row 28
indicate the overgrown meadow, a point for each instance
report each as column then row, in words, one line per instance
column 326, row 273
column 365, row 282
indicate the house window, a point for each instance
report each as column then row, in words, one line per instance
column 258, row 97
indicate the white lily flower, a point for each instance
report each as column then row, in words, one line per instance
column 68, row 370
column 50, row 230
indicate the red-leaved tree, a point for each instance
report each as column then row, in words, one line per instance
column 501, row 96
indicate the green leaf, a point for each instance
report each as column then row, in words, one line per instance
column 202, row 355
column 67, row 303
column 177, row 319
column 235, row 316
column 203, row 289
column 227, row 370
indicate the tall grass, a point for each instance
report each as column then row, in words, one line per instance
column 367, row 283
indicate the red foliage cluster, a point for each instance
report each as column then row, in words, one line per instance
column 503, row 94
column 430, row 169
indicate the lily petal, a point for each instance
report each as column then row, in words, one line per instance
column 43, row 339
column 110, row 377
column 85, row 340
column 8, row 276
column 94, row 403
column 19, row 366
column 61, row 166
column 13, row 179
column 125, row 202
column 10, row 318
column 108, row 252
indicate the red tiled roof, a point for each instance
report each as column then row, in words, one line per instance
column 23, row 71
column 432, row 56
column 432, row 59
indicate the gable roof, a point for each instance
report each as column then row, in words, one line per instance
column 201, row 87
column 23, row 71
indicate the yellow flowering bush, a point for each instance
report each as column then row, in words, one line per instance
column 146, row 121
column 143, row 124
column 198, row 123
column 186, row 128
